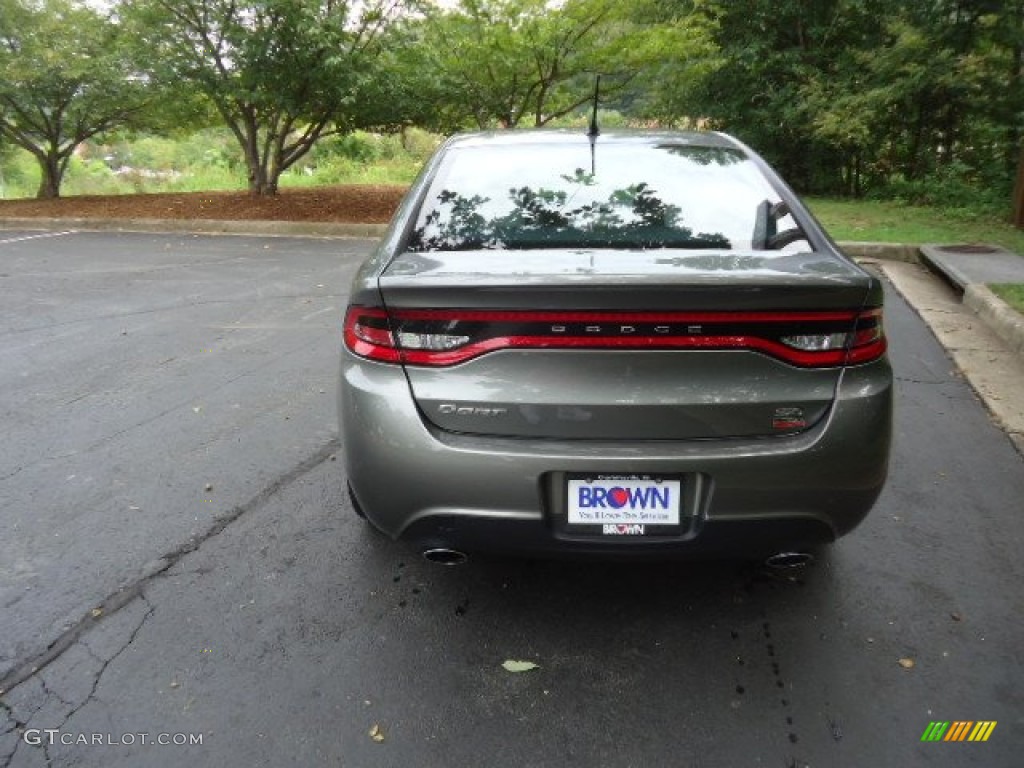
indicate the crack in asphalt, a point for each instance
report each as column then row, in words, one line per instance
column 17, row 725
column 11, row 717
column 128, row 594
column 50, row 692
column 150, row 609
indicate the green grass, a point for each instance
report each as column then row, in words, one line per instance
column 890, row 222
column 209, row 160
column 1011, row 293
column 399, row 170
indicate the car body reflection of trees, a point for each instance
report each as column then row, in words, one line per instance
column 631, row 217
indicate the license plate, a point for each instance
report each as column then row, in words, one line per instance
column 624, row 505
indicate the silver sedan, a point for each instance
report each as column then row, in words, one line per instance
column 632, row 345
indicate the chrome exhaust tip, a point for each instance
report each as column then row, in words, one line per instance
column 444, row 556
column 789, row 560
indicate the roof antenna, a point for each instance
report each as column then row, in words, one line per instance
column 593, row 132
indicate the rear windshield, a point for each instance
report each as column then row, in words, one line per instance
column 621, row 195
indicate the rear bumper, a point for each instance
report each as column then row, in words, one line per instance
column 473, row 492
column 716, row 539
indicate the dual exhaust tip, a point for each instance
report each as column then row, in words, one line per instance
column 778, row 561
column 445, row 556
column 784, row 561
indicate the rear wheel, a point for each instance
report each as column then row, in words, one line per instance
column 355, row 502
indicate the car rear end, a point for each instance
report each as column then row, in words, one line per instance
column 615, row 370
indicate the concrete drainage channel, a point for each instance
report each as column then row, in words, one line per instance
column 971, row 268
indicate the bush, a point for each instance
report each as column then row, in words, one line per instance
column 210, row 160
column 954, row 188
column 19, row 175
column 93, row 177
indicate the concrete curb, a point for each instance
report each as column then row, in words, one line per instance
column 261, row 228
column 1005, row 322
column 1000, row 317
column 910, row 254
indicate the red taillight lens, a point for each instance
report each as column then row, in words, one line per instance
column 868, row 338
column 368, row 334
column 450, row 336
column 866, row 342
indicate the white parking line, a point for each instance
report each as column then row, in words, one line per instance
column 36, row 237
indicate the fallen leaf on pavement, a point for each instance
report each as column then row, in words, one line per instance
column 376, row 733
column 907, row 663
column 519, row 666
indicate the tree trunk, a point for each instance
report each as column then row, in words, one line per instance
column 255, row 164
column 262, row 181
column 1016, row 72
column 912, row 169
column 1018, row 193
column 262, row 184
column 51, row 173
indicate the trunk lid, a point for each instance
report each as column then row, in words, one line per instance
column 655, row 344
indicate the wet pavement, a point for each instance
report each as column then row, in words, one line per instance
column 261, row 616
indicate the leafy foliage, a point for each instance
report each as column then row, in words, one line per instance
column 524, row 62
column 280, row 73
column 857, row 96
column 68, row 76
column 921, row 100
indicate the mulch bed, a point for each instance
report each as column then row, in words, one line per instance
column 357, row 203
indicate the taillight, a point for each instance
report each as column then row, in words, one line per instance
column 368, row 334
column 862, row 344
column 450, row 336
column 868, row 342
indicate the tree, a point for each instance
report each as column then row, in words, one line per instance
column 932, row 100
column 281, row 74
column 67, row 77
column 509, row 62
column 674, row 52
column 404, row 88
column 920, row 99
column 770, row 53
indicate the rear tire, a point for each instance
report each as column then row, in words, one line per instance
column 355, row 502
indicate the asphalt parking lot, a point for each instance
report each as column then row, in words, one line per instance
column 178, row 556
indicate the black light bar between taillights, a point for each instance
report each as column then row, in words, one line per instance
column 444, row 337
